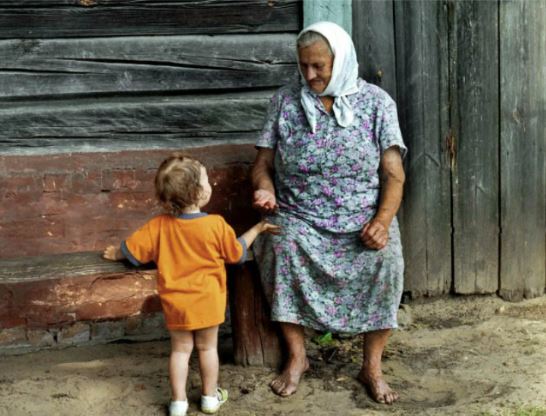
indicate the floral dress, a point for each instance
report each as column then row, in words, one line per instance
column 317, row 273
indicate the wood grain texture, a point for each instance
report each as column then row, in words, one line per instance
column 374, row 38
column 422, row 84
column 475, row 121
column 131, row 122
column 37, row 268
column 523, row 147
column 49, row 69
column 256, row 339
column 86, row 18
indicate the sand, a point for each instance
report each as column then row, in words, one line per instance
column 457, row 356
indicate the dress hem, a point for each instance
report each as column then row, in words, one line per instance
column 367, row 328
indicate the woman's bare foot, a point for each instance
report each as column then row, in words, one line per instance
column 287, row 382
column 378, row 388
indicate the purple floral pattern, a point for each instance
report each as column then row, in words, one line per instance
column 317, row 273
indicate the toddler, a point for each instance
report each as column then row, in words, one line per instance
column 189, row 248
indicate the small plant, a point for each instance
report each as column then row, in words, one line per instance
column 530, row 411
column 324, row 340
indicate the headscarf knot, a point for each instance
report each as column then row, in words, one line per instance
column 344, row 75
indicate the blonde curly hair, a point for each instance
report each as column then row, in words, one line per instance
column 177, row 183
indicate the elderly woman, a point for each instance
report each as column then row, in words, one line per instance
column 329, row 172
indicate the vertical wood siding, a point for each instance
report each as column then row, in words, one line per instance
column 374, row 39
column 422, row 79
column 469, row 79
column 522, row 147
column 475, row 125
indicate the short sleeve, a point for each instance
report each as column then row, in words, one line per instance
column 142, row 246
column 233, row 250
column 270, row 132
column 387, row 127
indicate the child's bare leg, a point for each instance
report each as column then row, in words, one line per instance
column 206, row 342
column 181, row 348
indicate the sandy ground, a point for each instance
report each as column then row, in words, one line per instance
column 463, row 356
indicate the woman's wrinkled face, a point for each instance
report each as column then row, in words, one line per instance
column 316, row 65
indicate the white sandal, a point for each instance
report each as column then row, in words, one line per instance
column 211, row 404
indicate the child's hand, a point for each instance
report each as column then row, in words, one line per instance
column 269, row 228
column 112, row 253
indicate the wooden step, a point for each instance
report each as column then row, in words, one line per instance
column 78, row 298
column 43, row 291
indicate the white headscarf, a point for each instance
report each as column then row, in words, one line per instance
column 344, row 75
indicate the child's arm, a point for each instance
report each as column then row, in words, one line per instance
column 259, row 228
column 113, row 253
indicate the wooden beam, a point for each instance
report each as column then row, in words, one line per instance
column 33, row 19
column 53, row 68
column 256, row 339
column 131, row 122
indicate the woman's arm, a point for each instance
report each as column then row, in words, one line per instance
column 375, row 233
column 262, row 181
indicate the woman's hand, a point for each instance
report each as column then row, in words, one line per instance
column 375, row 234
column 265, row 201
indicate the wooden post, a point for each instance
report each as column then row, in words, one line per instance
column 256, row 339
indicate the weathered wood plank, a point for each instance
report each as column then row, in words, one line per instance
column 57, row 266
column 255, row 338
column 373, row 34
column 422, row 75
column 85, row 18
column 50, row 68
column 523, row 147
column 76, row 201
column 475, row 121
column 338, row 11
column 134, row 122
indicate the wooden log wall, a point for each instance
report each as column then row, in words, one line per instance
column 122, row 78
column 108, row 75
column 472, row 104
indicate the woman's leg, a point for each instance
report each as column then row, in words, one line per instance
column 206, row 342
column 287, row 382
column 370, row 374
column 181, row 348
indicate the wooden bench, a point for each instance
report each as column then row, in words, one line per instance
column 66, row 299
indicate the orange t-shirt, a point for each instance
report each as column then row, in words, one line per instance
column 189, row 251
